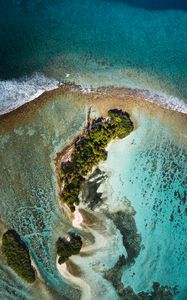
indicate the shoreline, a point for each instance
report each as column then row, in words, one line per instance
column 65, row 154
column 74, row 276
column 84, row 287
column 158, row 98
column 72, row 88
column 100, row 101
column 88, row 149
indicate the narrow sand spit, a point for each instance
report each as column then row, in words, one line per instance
column 85, row 288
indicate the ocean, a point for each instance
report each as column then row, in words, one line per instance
column 143, row 191
column 148, row 169
column 138, row 44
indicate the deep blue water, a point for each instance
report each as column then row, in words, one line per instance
column 159, row 4
column 144, row 40
column 140, row 42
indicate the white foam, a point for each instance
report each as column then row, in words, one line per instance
column 149, row 87
column 16, row 92
column 166, row 101
column 86, row 90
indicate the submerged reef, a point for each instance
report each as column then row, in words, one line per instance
column 138, row 168
column 89, row 150
column 68, row 247
column 158, row 292
column 17, row 255
column 125, row 222
column 89, row 193
column 132, row 241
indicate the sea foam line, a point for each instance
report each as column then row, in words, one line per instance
column 16, row 92
column 164, row 100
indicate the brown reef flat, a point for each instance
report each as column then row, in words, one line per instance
column 100, row 100
column 31, row 137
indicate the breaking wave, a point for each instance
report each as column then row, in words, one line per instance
column 166, row 101
column 16, row 92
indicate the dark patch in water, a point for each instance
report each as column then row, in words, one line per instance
column 157, row 4
column 73, row 268
column 125, row 222
column 89, row 191
column 158, row 292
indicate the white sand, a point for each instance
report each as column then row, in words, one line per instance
column 85, row 288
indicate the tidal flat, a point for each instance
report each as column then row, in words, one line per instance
column 143, row 187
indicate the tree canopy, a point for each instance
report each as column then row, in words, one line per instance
column 17, row 255
column 89, row 150
column 68, row 247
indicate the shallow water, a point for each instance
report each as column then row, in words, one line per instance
column 29, row 187
column 149, row 169
column 137, row 168
column 139, row 44
column 93, row 43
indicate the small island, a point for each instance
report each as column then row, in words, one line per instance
column 68, row 247
column 88, row 150
column 17, row 255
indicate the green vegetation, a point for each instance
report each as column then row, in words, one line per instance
column 66, row 248
column 90, row 150
column 17, row 255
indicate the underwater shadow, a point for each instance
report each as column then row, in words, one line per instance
column 157, row 4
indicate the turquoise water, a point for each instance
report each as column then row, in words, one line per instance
column 101, row 42
column 130, row 43
column 149, row 169
column 10, row 285
column 29, row 194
